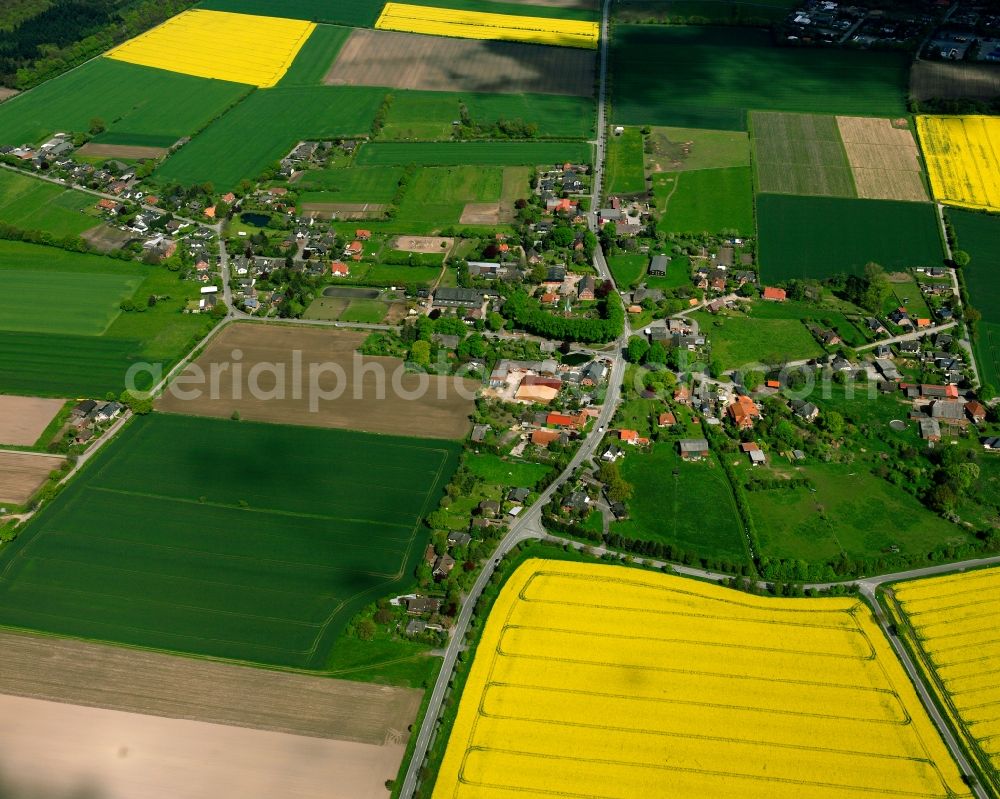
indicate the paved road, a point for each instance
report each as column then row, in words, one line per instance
column 916, row 334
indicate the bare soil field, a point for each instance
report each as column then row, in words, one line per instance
column 295, row 374
column 480, row 214
column 884, row 159
column 129, row 151
column 344, row 210
column 425, row 244
column 132, row 680
column 516, row 180
column 951, row 81
column 24, row 419
column 52, row 749
column 22, row 473
column 106, row 238
column 413, row 61
column 6, row 94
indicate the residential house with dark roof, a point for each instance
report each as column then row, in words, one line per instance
column 693, row 449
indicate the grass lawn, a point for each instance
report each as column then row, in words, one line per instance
column 628, row 270
column 739, row 341
column 679, row 149
column 706, row 200
column 687, row 505
column 978, row 235
column 831, row 313
column 625, row 163
column 508, row 473
column 529, row 153
column 265, row 127
column 367, row 311
column 708, row 77
column 800, row 154
column 356, row 184
column 316, row 56
column 818, row 237
column 437, row 194
column 139, row 105
column 416, row 115
column 401, row 275
column 32, row 204
column 252, row 545
column 817, row 526
column 906, row 292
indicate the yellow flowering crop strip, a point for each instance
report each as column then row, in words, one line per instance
column 955, row 622
column 963, row 159
column 242, row 48
column 603, row 681
column 480, row 25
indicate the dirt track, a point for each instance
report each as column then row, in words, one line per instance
column 58, row 750
column 22, row 473
column 82, row 673
column 121, row 151
column 376, row 396
column 6, row 94
column 431, row 244
column 413, row 61
column 24, row 419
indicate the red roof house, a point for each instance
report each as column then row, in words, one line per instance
column 775, row 295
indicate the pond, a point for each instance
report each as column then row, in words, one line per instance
column 257, row 220
column 576, row 358
column 350, row 293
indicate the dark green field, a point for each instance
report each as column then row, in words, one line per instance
column 429, row 115
column 32, row 204
column 687, row 505
column 355, row 13
column 136, row 103
column 705, row 200
column 818, row 237
column 234, row 540
column 356, row 184
column 472, row 153
column 317, row 54
column 704, row 77
column 978, row 235
column 265, row 127
column 537, row 8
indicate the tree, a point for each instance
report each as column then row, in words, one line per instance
column 877, row 288
column 657, row 354
column 97, row 126
column 420, row 353
column 494, row 321
column 637, row 349
column 562, row 236
column 366, row 629
column 961, row 257
column 834, row 423
column 219, row 310
column 752, row 380
column 235, row 416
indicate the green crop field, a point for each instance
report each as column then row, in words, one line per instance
column 265, row 127
column 800, row 154
column 32, row 204
column 429, row 115
column 760, row 13
column 472, row 152
column 682, row 149
column 706, row 200
column 516, row 8
column 509, row 474
column 254, row 542
column 134, row 102
column 705, row 77
column 740, row 341
column 357, row 184
column 978, row 235
column 818, row 237
column 356, row 13
column 816, row 526
column 402, row 275
column 317, row 54
column 437, row 194
column 687, row 505
column 83, row 291
column 625, row 164
column 86, row 347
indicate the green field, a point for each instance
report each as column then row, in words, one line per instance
column 509, row 474
column 677, row 149
column 702, row 12
column 317, row 54
column 83, row 291
column 818, row 237
column 86, row 348
column 740, row 341
column 978, row 235
column 265, row 127
column 356, row 184
column 816, row 526
column 438, row 194
column 831, row 313
column 254, row 543
column 705, row 201
column 625, row 163
column 800, row 154
column 32, row 204
column 139, row 105
column 628, row 270
column 705, row 77
column 473, row 152
column 538, row 8
column 356, row 13
column 687, row 505
column 429, row 115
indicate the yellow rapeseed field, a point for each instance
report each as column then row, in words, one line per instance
column 242, row 48
column 955, row 622
column 613, row 683
column 963, row 159
column 480, row 25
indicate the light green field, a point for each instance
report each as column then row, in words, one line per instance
column 740, row 341
column 680, row 149
column 705, row 201
column 507, row 473
column 486, row 153
column 32, row 204
column 800, row 154
column 438, row 194
column 355, row 184
column 625, row 168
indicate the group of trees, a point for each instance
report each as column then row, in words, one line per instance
column 526, row 313
column 502, row 128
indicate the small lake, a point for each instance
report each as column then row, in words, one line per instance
column 351, row 293
column 257, row 220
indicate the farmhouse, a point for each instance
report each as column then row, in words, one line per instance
column 975, row 411
column 930, row 430
column 632, row 437
column 774, row 295
column 658, row 266
column 744, row 411
column 458, row 298
column 693, row 449
column 339, row 269
column 543, row 438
